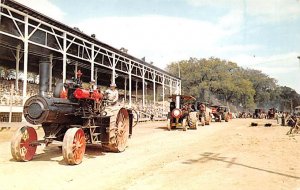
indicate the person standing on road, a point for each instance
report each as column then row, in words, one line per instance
column 278, row 117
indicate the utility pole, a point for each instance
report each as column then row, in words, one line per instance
column 178, row 70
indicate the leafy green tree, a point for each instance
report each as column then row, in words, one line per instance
column 262, row 84
column 213, row 78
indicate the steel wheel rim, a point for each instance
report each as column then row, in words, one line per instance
column 122, row 124
column 74, row 146
column 21, row 145
column 78, row 147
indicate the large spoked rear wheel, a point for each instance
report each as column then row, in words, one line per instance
column 118, row 132
column 122, row 130
column 22, row 147
column 74, row 146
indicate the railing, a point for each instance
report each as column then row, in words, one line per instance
column 152, row 112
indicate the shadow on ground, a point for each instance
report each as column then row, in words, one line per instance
column 209, row 156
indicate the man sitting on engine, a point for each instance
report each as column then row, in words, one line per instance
column 112, row 94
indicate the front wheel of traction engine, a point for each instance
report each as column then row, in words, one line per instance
column 184, row 127
column 226, row 117
column 22, row 147
column 169, row 125
column 193, row 120
column 208, row 120
column 74, row 144
column 202, row 121
column 119, row 132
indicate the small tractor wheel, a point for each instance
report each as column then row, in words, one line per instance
column 192, row 120
column 202, row 121
column 208, row 120
column 169, row 125
column 220, row 118
column 22, row 148
column 190, row 124
column 197, row 124
column 184, row 124
column 74, row 144
column 226, row 118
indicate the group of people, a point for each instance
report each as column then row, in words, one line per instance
column 286, row 118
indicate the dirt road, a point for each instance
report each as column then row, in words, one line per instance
column 220, row 156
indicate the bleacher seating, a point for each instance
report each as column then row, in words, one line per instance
column 146, row 113
column 5, row 92
column 151, row 111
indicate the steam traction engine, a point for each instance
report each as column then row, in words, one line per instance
column 73, row 121
column 181, row 115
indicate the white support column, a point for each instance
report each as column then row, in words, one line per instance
column 25, row 72
column 76, row 69
column 50, row 72
column 143, row 78
column 64, row 57
column 180, row 87
column 125, row 87
column 171, row 86
column 177, row 88
column 136, row 89
column 11, row 102
column 129, row 90
column 17, row 67
column 96, row 76
column 113, row 76
column 163, row 92
column 93, row 63
column 154, row 90
column 146, row 93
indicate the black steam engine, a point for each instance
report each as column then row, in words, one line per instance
column 72, row 118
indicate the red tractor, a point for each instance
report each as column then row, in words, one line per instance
column 204, row 113
column 182, row 113
column 221, row 113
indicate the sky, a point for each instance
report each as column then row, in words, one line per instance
column 262, row 35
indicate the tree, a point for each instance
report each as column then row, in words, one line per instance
column 216, row 80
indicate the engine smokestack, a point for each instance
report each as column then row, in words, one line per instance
column 44, row 78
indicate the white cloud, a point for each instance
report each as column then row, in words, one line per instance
column 164, row 39
column 45, row 7
column 282, row 61
column 268, row 10
column 283, row 67
column 237, row 48
column 156, row 37
column 231, row 22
